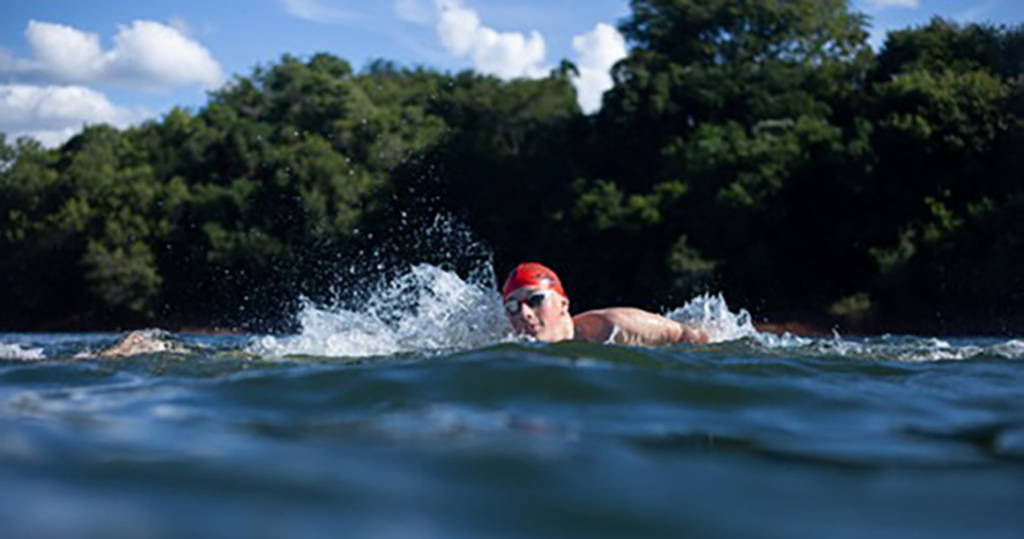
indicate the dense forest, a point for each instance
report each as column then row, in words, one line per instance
column 756, row 148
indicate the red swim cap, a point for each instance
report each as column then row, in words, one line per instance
column 531, row 274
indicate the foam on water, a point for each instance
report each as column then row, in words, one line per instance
column 1013, row 349
column 427, row 309
column 896, row 348
column 711, row 314
column 17, row 351
column 932, row 349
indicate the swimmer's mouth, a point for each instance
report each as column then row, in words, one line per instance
column 530, row 330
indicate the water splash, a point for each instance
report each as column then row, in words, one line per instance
column 916, row 349
column 426, row 309
column 1013, row 349
column 17, row 351
column 429, row 309
column 712, row 315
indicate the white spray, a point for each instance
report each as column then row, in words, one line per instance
column 427, row 309
column 712, row 314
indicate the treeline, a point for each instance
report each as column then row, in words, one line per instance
column 761, row 149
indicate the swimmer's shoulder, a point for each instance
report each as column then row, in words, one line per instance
column 604, row 325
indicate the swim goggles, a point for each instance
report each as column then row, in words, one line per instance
column 534, row 300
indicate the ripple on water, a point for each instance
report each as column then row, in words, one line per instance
column 891, row 436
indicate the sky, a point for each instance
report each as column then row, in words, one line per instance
column 65, row 64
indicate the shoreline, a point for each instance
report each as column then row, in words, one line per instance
column 793, row 327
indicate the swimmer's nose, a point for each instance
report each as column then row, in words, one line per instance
column 526, row 312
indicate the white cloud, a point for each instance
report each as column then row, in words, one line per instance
column 146, row 54
column 321, row 11
column 598, row 51
column 507, row 55
column 63, row 50
column 883, row 4
column 52, row 114
column 512, row 54
column 150, row 53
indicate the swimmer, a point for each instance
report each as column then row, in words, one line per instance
column 537, row 306
column 145, row 341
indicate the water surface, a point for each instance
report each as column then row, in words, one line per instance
column 362, row 425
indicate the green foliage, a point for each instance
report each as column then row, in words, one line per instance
column 753, row 147
column 944, row 112
column 120, row 277
column 604, row 206
column 853, row 309
column 944, row 45
column 714, row 61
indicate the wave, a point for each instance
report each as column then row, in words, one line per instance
column 916, row 349
column 427, row 309
column 17, row 351
column 711, row 314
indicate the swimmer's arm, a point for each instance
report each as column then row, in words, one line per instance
column 655, row 330
column 691, row 335
column 626, row 325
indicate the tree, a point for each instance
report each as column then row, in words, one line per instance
column 746, row 107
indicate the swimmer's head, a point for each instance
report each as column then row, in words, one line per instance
column 534, row 275
column 536, row 303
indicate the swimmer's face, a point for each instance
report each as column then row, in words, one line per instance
column 538, row 312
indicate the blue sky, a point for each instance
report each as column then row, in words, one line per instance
column 67, row 63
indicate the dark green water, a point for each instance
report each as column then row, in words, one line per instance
column 888, row 437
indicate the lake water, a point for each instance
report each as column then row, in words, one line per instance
column 422, row 418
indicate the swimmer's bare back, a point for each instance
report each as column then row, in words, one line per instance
column 143, row 342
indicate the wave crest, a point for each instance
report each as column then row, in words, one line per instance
column 426, row 309
column 711, row 314
column 16, row 351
